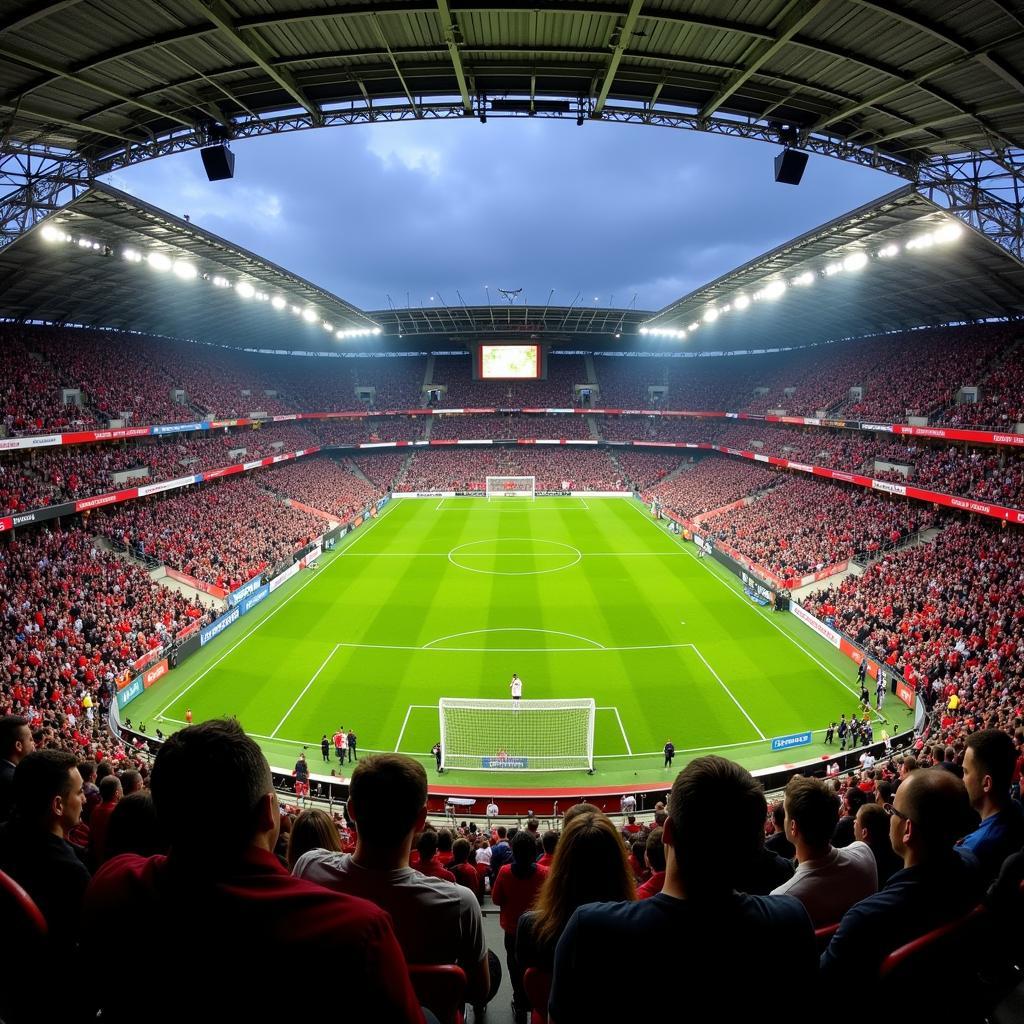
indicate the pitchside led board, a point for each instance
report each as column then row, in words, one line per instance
column 509, row 362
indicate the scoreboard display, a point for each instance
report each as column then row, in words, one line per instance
column 508, row 362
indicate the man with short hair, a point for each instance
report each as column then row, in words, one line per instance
column 827, row 881
column 436, row 922
column 131, row 781
column 16, row 742
column 989, row 763
column 872, row 827
column 111, row 793
column 549, row 841
column 34, row 851
column 654, row 858
column 935, row 885
column 698, row 931
column 228, row 913
column 501, row 852
column 853, row 800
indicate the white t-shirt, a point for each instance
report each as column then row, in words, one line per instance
column 829, row 886
column 492, row 810
column 517, row 686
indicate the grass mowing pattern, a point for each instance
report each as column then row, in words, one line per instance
column 581, row 597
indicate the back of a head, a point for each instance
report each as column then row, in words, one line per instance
column 717, row 811
column 460, row 851
column 937, row 804
column 444, row 841
column 549, row 841
column 589, row 866
column 110, row 787
column 855, row 799
column 581, row 808
column 811, row 804
column 387, row 795
column 524, row 849
column 131, row 780
column 135, row 828
column 875, row 822
column 216, row 754
column 39, row 778
column 533, row 825
column 426, row 844
column 655, row 850
column 994, row 754
column 312, row 829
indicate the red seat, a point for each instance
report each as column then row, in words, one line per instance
column 537, row 984
column 823, row 936
column 441, row 988
column 22, row 939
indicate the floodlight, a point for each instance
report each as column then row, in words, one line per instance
column 741, row 301
column 833, row 268
column 277, row 302
column 309, row 314
column 245, row 289
column 948, row 233
column 296, row 310
column 158, row 261
column 924, row 241
column 51, row 234
column 377, row 330
column 888, row 251
column 693, row 326
column 855, row 261
column 185, row 271
column 804, row 279
column 710, row 315
column 221, row 282
column 327, row 326
column 775, row 289
column 643, row 330
column 132, row 256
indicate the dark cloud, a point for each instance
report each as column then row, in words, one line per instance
column 414, row 210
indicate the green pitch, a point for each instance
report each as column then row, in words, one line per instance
column 580, row 597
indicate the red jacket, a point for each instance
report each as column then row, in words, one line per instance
column 516, row 895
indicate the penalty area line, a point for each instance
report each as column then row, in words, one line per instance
column 323, row 665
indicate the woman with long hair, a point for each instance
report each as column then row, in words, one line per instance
column 590, row 866
column 313, row 829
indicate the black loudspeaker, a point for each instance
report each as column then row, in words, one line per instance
column 789, row 166
column 219, row 162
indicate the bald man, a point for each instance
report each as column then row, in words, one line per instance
column 936, row 884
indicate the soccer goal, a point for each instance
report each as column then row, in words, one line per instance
column 511, row 487
column 521, row 735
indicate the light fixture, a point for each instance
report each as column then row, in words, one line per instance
column 643, row 330
column 278, row 302
column 377, row 330
column 948, row 233
column 245, row 289
column 833, row 268
column 741, row 301
column 804, row 279
column 309, row 314
column 693, row 326
column 775, row 289
column 221, row 282
column 186, row 271
column 710, row 315
column 158, row 261
column 855, row 261
column 51, row 234
column 131, row 255
column 888, row 251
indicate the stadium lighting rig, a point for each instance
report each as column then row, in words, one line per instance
column 185, row 270
column 848, row 263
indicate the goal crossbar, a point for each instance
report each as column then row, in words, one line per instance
column 511, row 487
column 517, row 735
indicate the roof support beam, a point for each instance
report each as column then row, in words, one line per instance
column 32, row 61
column 620, row 39
column 450, row 30
column 217, row 12
column 39, row 115
column 394, row 64
column 793, row 18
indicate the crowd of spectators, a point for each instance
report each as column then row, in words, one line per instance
column 324, row 484
column 236, row 529
column 510, row 425
column 711, row 483
column 560, row 468
column 802, row 526
column 382, row 469
column 1001, row 402
column 75, row 619
column 362, row 431
column 645, row 469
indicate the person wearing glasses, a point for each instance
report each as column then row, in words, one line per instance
column 937, row 883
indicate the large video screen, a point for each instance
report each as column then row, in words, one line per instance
column 508, row 362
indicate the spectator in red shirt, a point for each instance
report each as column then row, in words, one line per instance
column 465, row 873
column 110, row 796
column 428, row 864
column 654, row 855
column 549, row 843
column 226, row 907
column 515, row 890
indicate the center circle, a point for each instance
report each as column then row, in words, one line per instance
column 489, row 557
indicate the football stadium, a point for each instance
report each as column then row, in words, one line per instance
column 455, row 653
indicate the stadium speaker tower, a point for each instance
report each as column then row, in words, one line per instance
column 219, row 162
column 789, row 166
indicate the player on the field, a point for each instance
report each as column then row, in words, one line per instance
column 830, row 733
column 516, row 686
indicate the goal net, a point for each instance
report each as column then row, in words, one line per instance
column 511, row 487
column 522, row 735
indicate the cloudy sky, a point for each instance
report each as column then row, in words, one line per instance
column 423, row 211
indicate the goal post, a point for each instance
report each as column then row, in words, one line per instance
column 511, row 487
column 521, row 735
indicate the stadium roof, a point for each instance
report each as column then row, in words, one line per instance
column 888, row 83
column 912, row 265
column 88, row 280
